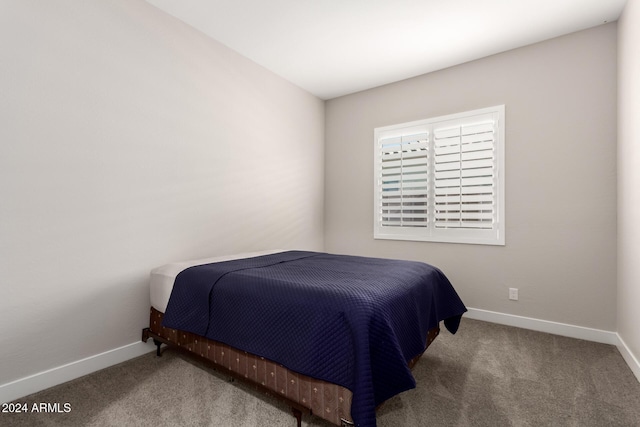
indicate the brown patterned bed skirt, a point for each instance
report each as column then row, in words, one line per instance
column 323, row 399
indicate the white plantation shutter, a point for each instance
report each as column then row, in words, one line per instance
column 465, row 176
column 442, row 179
column 403, row 176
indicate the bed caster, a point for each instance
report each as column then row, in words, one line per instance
column 298, row 414
column 157, row 344
column 146, row 334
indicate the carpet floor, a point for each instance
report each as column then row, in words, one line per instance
column 485, row 375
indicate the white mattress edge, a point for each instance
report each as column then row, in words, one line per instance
column 162, row 278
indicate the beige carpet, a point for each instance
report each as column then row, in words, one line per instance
column 486, row 375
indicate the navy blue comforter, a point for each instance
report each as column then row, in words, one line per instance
column 352, row 321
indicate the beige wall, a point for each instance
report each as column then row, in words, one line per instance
column 560, row 98
column 129, row 140
column 629, row 180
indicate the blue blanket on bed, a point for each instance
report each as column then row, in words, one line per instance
column 352, row 321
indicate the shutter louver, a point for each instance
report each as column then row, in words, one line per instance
column 464, row 176
column 403, row 181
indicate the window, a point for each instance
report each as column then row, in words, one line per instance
column 441, row 179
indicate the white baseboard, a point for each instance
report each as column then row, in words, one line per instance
column 563, row 329
column 43, row 380
column 628, row 357
column 52, row 377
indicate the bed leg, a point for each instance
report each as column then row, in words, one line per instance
column 298, row 414
column 158, row 344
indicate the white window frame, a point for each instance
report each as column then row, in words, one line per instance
column 421, row 136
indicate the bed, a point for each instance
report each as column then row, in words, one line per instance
column 334, row 335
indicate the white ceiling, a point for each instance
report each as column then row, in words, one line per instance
column 335, row 47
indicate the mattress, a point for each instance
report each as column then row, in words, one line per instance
column 163, row 278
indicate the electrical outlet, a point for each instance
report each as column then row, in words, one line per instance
column 513, row 294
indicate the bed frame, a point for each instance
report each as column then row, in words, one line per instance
column 302, row 393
